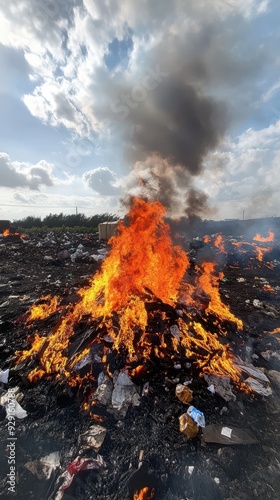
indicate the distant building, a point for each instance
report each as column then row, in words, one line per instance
column 231, row 220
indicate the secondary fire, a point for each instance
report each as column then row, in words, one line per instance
column 257, row 250
column 144, row 494
column 8, row 232
column 143, row 301
column 268, row 239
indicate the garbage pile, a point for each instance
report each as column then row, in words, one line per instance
column 155, row 432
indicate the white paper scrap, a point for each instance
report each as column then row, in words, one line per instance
column 226, row 431
column 4, row 376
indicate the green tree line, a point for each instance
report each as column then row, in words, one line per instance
column 60, row 220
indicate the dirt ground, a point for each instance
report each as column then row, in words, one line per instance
column 55, row 419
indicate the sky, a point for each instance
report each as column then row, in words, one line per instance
column 173, row 100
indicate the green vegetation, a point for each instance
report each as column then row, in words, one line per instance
column 77, row 223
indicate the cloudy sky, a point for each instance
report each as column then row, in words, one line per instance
column 177, row 100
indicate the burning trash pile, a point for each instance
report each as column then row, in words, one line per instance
column 11, row 235
column 150, row 326
column 140, row 309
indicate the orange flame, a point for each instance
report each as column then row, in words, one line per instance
column 142, row 266
column 42, row 311
column 268, row 239
column 219, row 243
column 209, row 283
column 276, row 330
column 142, row 261
column 144, row 494
column 207, row 239
column 258, row 251
column 7, row 233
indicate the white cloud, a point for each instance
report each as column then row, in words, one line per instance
column 15, row 174
column 262, row 138
column 245, row 174
column 27, row 188
column 102, row 180
column 65, row 43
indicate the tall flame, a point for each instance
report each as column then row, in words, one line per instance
column 143, row 267
column 142, row 258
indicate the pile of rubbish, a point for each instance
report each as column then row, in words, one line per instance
column 170, row 437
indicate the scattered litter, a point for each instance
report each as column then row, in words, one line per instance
column 188, row 426
column 101, row 378
column 12, row 406
column 274, row 376
column 86, row 360
column 197, row 416
column 4, row 304
column 97, row 257
column 259, row 387
column 226, row 431
column 276, row 355
column 251, row 370
column 257, row 303
column 63, row 254
column 174, row 330
column 211, row 388
column 102, row 251
column 183, row 393
column 44, row 467
column 145, row 390
column 125, row 392
column 76, row 466
column 93, row 438
column 79, row 254
column 240, row 280
column 224, row 410
column 48, row 258
column 108, row 338
column 216, row 433
column 141, row 456
column 4, row 376
column 190, row 469
column 103, row 393
column 267, row 355
column 221, row 386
